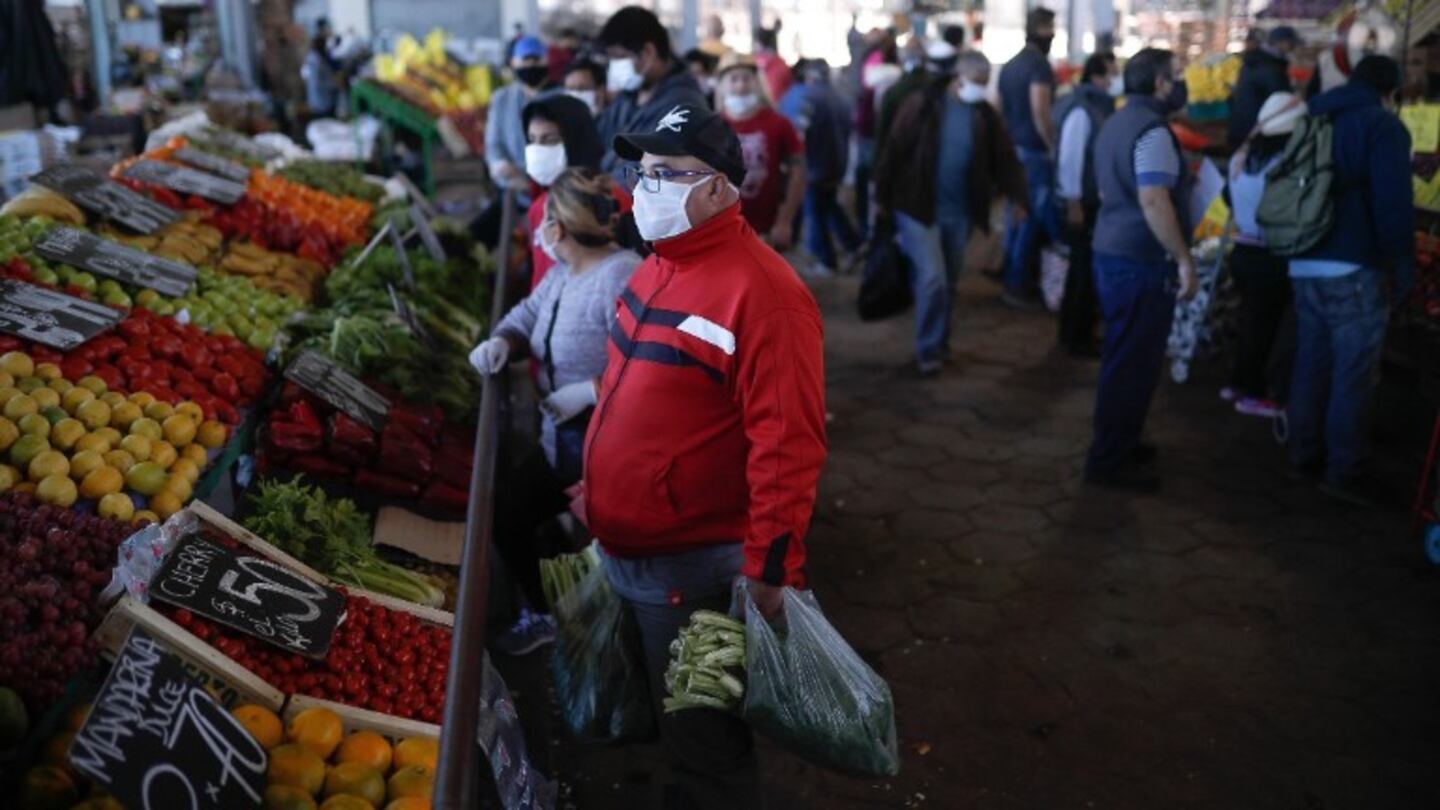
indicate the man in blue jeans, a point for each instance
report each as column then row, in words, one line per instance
column 1027, row 93
column 1341, row 302
column 1142, row 262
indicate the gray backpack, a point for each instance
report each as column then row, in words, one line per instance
column 1297, row 208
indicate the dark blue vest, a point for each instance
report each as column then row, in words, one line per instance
column 1121, row 229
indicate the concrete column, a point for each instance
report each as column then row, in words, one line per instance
column 689, row 24
column 99, row 48
column 757, row 17
column 236, row 21
column 1105, row 22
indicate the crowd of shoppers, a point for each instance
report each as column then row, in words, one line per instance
column 709, row 164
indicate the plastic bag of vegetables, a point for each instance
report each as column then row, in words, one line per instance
column 808, row 690
column 600, row 679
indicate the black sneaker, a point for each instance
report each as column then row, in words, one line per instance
column 1144, row 453
column 1129, row 476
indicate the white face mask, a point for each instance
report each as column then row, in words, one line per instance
column 546, row 245
column 661, row 214
column 587, row 96
column 971, row 93
column 1117, row 86
column 740, row 106
column 544, row 162
column 621, row 76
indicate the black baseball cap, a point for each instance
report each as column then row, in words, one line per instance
column 688, row 131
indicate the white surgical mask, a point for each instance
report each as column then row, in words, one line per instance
column 544, row 162
column 1117, row 86
column 971, row 93
column 661, row 214
column 545, row 244
column 740, row 106
column 587, row 96
column 622, row 76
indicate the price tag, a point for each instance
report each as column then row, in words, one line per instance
column 321, row 377
column 87, row 251
column 106, row 198
column 186, row 180
column 228, row 169
column 52, row 318
column 427, row 234
column 405, row 268
column 251, row 594
column 156, row 740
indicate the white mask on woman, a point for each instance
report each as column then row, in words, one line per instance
column 971, row 93
column 544, row 162
column 661, row 214
column 622, row 76
column 741, row 106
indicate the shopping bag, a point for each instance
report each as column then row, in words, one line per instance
column 885, row 285
column 808, row 690
column 600, row 680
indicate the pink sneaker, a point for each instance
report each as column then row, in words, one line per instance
column 1264, row 408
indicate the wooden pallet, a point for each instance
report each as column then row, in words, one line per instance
column 231, row 683
column 356, row 719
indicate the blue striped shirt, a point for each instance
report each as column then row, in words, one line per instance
column 1157, row 163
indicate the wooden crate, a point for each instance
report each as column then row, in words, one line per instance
column 357, row 719
column 231, row 683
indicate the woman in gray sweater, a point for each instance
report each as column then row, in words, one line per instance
column 565, row 326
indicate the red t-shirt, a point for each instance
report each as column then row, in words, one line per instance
column 768, row 140
column 540, row 261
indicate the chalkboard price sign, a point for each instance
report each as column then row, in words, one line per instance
column 251, row 594
column 106, row 198
column 186, row 180
column 53, row 318
column 156, row 740
column 89, row 252
column 321, row 377
column 214, row 164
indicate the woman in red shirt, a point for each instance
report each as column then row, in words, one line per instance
column 774, row 154
column 561, row 133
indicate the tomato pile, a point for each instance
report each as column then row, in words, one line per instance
column 53, row 564
column 170, row 360
column 380, row 659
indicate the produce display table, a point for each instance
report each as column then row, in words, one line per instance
column 393, row 112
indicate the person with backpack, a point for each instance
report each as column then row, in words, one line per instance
column 1261, row 276
column 1142, row 264
column 1341, row 301
column 1078, row 118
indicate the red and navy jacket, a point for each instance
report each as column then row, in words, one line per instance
column 710, row 426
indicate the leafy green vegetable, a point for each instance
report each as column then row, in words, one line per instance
column 338, row 179
column 334, row 537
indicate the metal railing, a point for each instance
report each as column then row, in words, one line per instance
column 461, row 773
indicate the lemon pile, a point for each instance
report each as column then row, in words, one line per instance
column 65, row 440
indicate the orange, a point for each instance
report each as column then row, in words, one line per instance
column 211, row 434
column 417, row 751
column 165, row 504
column 179, row 429
column 409, row 803
column 196, row 454
column 412, row 782
column 365, row 748
column 263, row 724
column 318, row 729
column 56, row 751
column 354, row 779
column 346, row 802
column 48, row 786
column 296, row 766
column 100, row 482
column 120, row 460
column 76, row 718
column 287, row 797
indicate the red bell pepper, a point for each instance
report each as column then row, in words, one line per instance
column 386, row 485
column 424, row 421
column 405, row 454
column 350, row 441
column 319, row 466
column 444, row 497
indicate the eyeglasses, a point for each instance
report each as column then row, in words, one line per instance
column 649, row 179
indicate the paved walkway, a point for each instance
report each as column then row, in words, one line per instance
column 1234, row 642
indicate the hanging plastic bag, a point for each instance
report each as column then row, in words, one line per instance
column 600, row 681
column 810, row 691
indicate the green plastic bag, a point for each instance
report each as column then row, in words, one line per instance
column 600, row 680
column 808, row 690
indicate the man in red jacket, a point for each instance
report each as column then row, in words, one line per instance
column 709, row 433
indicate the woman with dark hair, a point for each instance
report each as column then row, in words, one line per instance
column 561, row 134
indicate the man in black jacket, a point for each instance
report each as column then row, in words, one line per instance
column 1266, row 70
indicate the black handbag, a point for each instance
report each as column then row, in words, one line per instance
column 885, row 286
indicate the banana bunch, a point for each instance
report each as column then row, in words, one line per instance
column 189, row 240
column 281, row 273
column 38, row 201
column 1208, row 81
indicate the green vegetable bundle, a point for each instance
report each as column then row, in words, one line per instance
column 559, row 575
column 332, row 536
column 338, row 179
column 704, row 663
